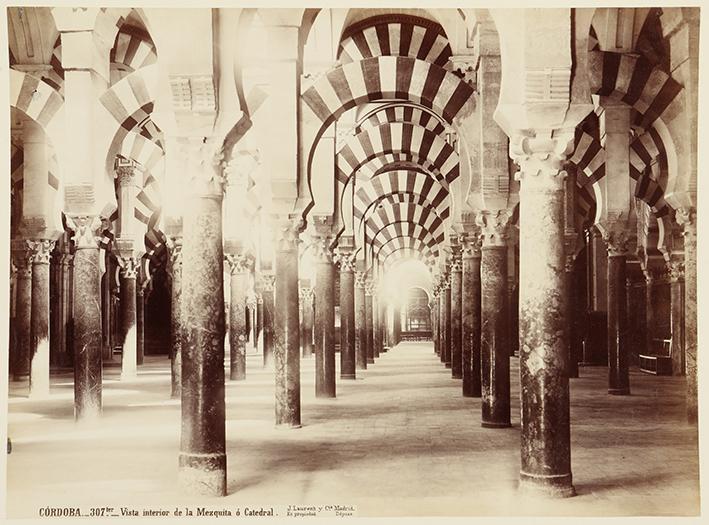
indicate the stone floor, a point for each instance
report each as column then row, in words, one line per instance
column 400, row 441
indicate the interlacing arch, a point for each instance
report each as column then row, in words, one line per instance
column 401, row 112
column 405, row 209
column 397, row 232
column 36, row 98
column 416, row 206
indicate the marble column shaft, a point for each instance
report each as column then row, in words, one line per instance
column 237, row 316
column 545, row 315
column 494, row 347
column 202, row 459
column 286, row 327
column 39, row 326
column 87, row 319
column 677, row 319
column 448, row 347
column 442, row 343
column 325, row 325
column 347, row 321
column 128, row 317
column 397, row 325
column 23, row 312
column 369, row 325
column 456, row 291
column 175, row 272
column 471, row 323
column 618, row 365
column 686, row 217
column 306, row 337
column 434, row 323
column 376, row 326
column 268, row 318
column 570, row 286
column 360, row 317
column 140, row 324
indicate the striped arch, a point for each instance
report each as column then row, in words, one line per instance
column 17, row 160
column 37, row 99
column 395, row 35
column 408, row 253
column 406, row 212
column 634, row 80
column 393, row 182
column 130, row 95
column 397, row 138
column 406, row 243
column 133, row 49
column 644, row 150
column 401, row 112
column 396, row 231
column 395, row 201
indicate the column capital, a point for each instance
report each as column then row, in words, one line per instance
column 287, row 232
column 21, row 254
column 203, row 161
column 40, row 250
column 322, row 249
column 360, row 280
column 306, row 294
column 238, row 262
column 129, row 266
column 687, row 218
column 346, row 260
column 471, row 242
column 174, row 248
column 456, row 260
column 494, row 225
column 619, row 235
column 541, row 160
column 676, row 269
column 127, row 171
column 267, row 282
column 86, row 230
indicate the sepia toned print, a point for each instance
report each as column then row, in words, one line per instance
column 352, row 262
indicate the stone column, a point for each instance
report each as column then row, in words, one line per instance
column 617, row 236
column 306, row 337
column 174, row 270
column 676, row 268
column 570, row 287
column 434, row 320
column 360, row 317
column 129, row 336
column 544, row 320
column 382, row 322
column 442, row 343
column 258, row 338
column 268, row 284
column 21, row 256
column 494, row 344
column 87, row 317
column 238, row 268
column 324, row 317
column 66, row 317
column 397, row 325
column 39, row 326
column 140, row 322
column 456, row 291
column 368, row 321
column 376, row 326
column 202, row 459
column 347, row 317
column 687, row 218
column 650, row 283
column 471, row 315
column 286, row 336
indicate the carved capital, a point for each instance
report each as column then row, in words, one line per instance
column 541, row 161
column 494, row 226
column 306, row 295
column 174, row 248
column 203, row 161
column 41, row 250
column 126, row 171
column 465, row 67
column 361, row 280
column 87, row 230
column 456, row 260
column 470, row 243
column 322, row 251
column 569, row 260
column 676, row 270
column 21, row 256
column 620, row 237
column 687, row 218
column 130, row 266
column 268, row 282
column 346, row 260
column 287, row 232
column 237, row 262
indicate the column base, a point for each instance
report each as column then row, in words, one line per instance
column 348, row 376
column 370, row 361
column 448, row 365
column 558, row 486
column 288, row 426
column 203, row 474
column 457, row 376
column 495, row 424
column 619, row 391
column 237, row 377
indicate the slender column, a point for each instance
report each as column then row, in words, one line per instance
column 87, row 317
column 286, row 336
column 140, row 323
column 360, row 317
column 268, row 283
column 434, row 320
column 687, row 218
column 676, row 267
column 471, row 315
column 107, row 318
column 397, row 324
column 382, row 323
column 447, row 326
column 570, row 287
column 324, row 318
column 174, row 269
column 65, row 307
column 21, row 256
column 368, row 327
column 238, row 268
column 456, row 292
column 129, row 336
column 202, row 459
column 39, row 326
column 494, row 344
column 650, row 283
column 618, row 240
column 347, row 317
column 376, row 326
column 544, row 320
column 442, row 318
column 258, row 339
column 13, row 338
column 306, row 337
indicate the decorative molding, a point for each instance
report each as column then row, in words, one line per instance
column 237, row 262
column 288, row 233
column 129, row 267
column 41, row 250
column 494, row 225
column 87, row 230
column 541, row 160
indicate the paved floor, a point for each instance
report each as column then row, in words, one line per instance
column 400, row 441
